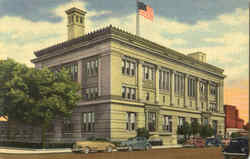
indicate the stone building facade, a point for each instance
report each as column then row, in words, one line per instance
column 128, row 82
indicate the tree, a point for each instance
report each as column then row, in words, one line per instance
column 206, row 131
column 36, row 96
column 143, row 132
column 195, row 128
column 185, row 130
column 235, row 134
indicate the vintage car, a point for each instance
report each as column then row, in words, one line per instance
column 237, row 148
column 136, row 143
column 93, row 146
column 225, row 141
column 155, row 140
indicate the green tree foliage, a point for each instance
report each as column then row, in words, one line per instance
column 195, row 127
column 206, row 131
column 36, row 96
column 143, row 132
column 235, row 134
column 185, row 130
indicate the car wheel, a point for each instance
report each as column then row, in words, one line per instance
column 130, row 148
column 86, row 150
column 109, row 149
column 147, row 147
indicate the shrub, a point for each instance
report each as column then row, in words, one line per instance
column 143, row 132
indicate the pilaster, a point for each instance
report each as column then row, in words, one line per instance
column 139, row 79
column 207, row 100
column 185, row 89
column 99, row 76
column 221, row 96
column 198, row 93
column 172, row 98
column 156, row 84
column 218, row 96
column 79, row 75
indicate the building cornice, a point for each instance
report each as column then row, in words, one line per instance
column 113, row 33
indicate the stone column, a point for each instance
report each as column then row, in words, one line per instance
column 198, row 93
column 99, row 76
column 221, row 96
column 218, row 96
column 76, row 123
column 174, row 129
column 185, row 90
column 157, row 85
column 146, row 118
column 207, row 101
column 80, row 74
column 139, row 80
column 172, row 98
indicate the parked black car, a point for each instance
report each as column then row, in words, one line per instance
column 238, row 147
column 213, row 142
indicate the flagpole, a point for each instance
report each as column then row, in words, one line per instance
column 137, row 19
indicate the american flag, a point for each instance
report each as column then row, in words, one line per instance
column 145, row 10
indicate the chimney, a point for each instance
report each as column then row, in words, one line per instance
column 76, row 22
column 200, row 56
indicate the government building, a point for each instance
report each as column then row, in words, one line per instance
column 128, row 82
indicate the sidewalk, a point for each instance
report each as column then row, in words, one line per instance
column 11, row 150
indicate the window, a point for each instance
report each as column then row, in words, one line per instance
column 123, row 66
column 213, row 90
column 77, row 18
column 88, row 122
column 202, row 89
column 191, row 87
column 193, row 120
column 91, row 93
column 205, row 121
column 128, row 67
column 72, row 19
column 181, row 121
column 128, row 93
column 179, row 84
column 152, row 121
column 164, row 80
column 147, row 96
column 133, row 93
column 164, row 99
column 131, row 121
column 148, row 73
column 132, row 69
column 92, row 67
column 81, row 20
column 213, row 107
column 73, row 70
column 67, row 125
column 215, row 125
column 167, row 123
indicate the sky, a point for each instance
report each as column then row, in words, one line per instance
column 218, row 28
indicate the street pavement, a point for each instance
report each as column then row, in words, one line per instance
column 10, row 150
